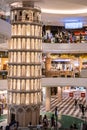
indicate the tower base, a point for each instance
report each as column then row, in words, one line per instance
column 24, row 115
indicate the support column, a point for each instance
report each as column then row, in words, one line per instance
column 48, row 64
column 48, row 99
column 80, row 64
column 59, row 93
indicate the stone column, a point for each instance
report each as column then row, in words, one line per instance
column 59, row 93
column 80, row 64
column 48, row 65
column 48, row 99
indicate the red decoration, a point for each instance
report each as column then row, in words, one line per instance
column 82, row 94
column 70, row 94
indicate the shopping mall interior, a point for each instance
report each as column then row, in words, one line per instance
column 43, row 64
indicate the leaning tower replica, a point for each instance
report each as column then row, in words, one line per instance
column 25, row 55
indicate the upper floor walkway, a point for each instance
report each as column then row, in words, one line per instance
column 54, row 82
column 64, row 48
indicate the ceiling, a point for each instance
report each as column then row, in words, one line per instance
column 59, row 5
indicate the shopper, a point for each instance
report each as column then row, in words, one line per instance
column 45, row 122
column 52, row 121
column 83, row 109
column 56, row 114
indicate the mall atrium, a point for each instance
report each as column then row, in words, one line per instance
column 43, row 62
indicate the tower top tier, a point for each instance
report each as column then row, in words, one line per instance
column 26, row 13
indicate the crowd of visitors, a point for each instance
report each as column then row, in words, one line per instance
column 62, row 37
column 81, row 106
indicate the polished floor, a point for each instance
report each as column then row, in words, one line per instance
column 67, row 107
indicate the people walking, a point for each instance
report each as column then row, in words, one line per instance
column 56, row 115
column 83, row 109
column 52, row 121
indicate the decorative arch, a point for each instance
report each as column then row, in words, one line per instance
column 20, row 114
column 28, row 116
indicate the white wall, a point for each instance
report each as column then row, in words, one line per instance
column 64, row 47
column 5, row 28
column 64, row 82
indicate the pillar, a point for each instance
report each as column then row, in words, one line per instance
column 80, row 64
column 48, row 64
column 48, row 98
column 59, row 93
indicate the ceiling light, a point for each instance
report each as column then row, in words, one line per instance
column 64, row 11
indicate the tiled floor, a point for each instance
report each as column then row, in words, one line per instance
column 66, row 107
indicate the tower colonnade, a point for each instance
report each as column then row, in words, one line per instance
column 25, row 55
